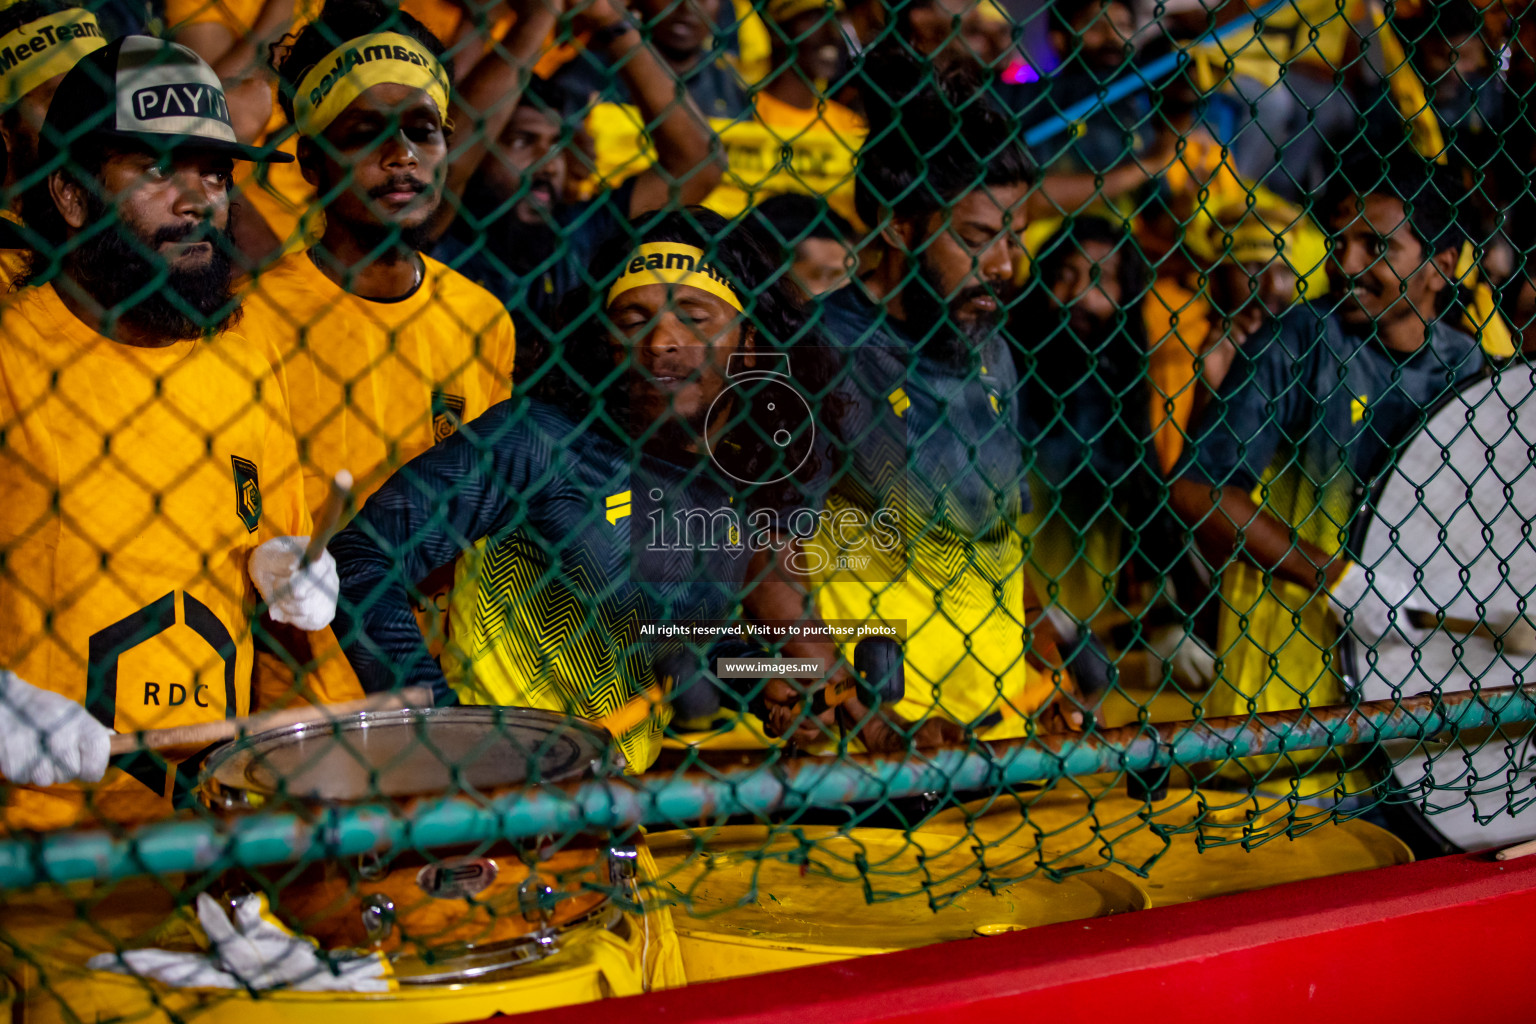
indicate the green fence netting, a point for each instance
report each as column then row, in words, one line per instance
column 695, row 488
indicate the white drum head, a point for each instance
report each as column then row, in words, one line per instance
column 1457, row 509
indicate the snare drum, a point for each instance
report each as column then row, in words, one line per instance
column 60, row 928
column 446, row 914
column 747, row 899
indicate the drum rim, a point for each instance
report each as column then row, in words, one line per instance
column 224, row 771
column 478, row 961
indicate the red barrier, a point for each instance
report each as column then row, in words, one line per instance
column 1444, row 940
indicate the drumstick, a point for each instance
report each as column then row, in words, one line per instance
column 329, row 519
column 1516, row 639
column 1518, row 850
column 205, row 733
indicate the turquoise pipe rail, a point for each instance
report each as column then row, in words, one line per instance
column 211, row 844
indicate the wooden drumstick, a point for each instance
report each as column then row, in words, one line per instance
column 328, row 522
column 1518, row 850
column 1517, row 638
column 206, row 733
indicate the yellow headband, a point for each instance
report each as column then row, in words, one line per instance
column 357, row 66
column 669, row 263
column 44, row 48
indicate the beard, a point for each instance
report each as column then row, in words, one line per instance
column 520, row 246
column 392, row 242
column 952, row 341
column 115, row 266
column 654, row 416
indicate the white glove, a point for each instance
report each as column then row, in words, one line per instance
column 46, row 738
column 252, row 952
column 303, row 598
column 1193, row 666
column 1372, row 608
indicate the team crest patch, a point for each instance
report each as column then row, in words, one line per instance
column 247, row 493
column 447, row 414
column 619, row 506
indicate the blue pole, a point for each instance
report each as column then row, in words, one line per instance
column 1141, row 78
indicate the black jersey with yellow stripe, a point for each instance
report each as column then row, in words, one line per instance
column 940, row 444
column 1317, row 413
column 930, row 455
column 588, row 540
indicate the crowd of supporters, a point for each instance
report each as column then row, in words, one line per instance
column 1105, row 317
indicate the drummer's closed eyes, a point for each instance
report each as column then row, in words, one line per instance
column 563, row 490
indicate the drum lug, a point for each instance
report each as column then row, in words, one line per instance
column 545, row 938
column 622, row 861
column 370, row 867
column 530, row 899
column 378, row 917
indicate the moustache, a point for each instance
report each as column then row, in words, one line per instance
column 404, row 183
column 1347, row 285
column 649, row 374
column 201, row 231
column 1005, row 293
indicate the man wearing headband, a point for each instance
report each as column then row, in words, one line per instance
column 150, row 471
column 933, row 424
column 385, row 350
column 235, row 36
column 39, row 41
column 569, row 492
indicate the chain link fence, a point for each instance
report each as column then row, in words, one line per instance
column 511, row 503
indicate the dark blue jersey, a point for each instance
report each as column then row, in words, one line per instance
column 941, row 443
column 930, row 452
column 571, row 542
column 1318, row 414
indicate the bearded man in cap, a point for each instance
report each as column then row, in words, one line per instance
column 147, row 459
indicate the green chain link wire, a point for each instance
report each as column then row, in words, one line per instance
column 1197, row 385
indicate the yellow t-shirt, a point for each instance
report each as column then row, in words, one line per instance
column 778, row 149
column 822, row 144
column 1177, row 319
column 371, row 386
column 137, row 482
